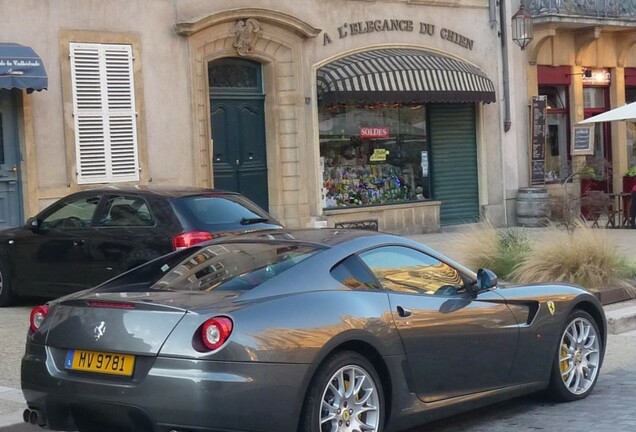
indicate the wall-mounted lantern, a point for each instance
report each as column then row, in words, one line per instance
column 522, row 27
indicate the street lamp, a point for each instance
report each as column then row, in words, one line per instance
column 522, row 27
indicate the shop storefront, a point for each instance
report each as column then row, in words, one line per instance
column 391, row 132
column 384, row 132
column 583, row 71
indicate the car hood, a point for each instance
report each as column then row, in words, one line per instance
column 124, row 322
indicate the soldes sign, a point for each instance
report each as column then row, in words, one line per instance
column 371, row 132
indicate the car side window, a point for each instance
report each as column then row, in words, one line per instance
column 407, row 270
column 72, row 213
column 352, row 273
column 126, row 211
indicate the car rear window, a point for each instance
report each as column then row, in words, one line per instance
column 231, row 266
column 210, row 210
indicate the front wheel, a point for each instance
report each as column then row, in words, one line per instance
column 578, row 358
column 344, row 395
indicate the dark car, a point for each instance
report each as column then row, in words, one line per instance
column 89, row 237
column 311, row 331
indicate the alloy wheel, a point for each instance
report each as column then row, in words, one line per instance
column 579, row 356
column 350, row 402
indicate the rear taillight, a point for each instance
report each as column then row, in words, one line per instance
column 215, row 332
column 37, row 317
column 191, row 238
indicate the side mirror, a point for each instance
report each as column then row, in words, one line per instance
column 486, row 279
column 33, row 223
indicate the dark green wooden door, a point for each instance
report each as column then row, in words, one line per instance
column 454, row 162
column 10, row 188
column 238, row 133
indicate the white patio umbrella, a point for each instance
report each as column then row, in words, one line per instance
column 626, row 112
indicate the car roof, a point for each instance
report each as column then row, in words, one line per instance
column 160, row 191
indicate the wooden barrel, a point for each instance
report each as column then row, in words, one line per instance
column 532, row 207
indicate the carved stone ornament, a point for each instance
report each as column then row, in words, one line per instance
column 247, row 32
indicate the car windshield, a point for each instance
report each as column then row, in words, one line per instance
column 207, row 211
column 224, row 266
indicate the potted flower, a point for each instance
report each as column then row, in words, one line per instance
column 629, row 179
column 591, row 179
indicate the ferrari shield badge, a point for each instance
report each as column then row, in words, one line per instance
column 551, row 306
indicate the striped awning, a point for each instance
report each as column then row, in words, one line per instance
column 402, row 75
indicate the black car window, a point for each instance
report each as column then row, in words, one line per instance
column 206, row 211
column 407, row 270
column 72, row 212
column 352, row 273
column 232, row 266
column 126, row 211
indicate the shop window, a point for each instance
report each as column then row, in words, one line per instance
column 373, row 154
column 594, row 97
column 104, row 113
column 557, row 154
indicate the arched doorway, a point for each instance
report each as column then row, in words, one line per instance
column 237, row 120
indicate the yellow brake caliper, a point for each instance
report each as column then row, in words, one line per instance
column 564, row 363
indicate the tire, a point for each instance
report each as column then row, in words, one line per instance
column 577, row 360
column 342, row 405
column 7, row 296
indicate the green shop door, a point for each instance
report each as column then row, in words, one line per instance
column 238, row 129
column 454, row 162
column 10, row 188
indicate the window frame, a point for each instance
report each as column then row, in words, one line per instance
column 466, row 279
column 104, row 113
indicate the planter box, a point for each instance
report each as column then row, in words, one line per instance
column 592, row 185
column 628, row 183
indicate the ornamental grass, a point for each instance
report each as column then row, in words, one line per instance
column 583, row 256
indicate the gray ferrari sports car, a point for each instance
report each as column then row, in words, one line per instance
column 312, row 331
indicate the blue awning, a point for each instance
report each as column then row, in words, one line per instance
column 21, row 68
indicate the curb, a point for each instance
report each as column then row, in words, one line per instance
column 621, row 320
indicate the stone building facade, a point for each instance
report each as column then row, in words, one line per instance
column 398, row 114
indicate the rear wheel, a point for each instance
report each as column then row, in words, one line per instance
column 7, row 296
column 578, row 358
column 345, row 395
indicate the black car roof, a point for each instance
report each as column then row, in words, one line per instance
column 161, row 191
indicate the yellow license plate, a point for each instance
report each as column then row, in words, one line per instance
column 100, row 362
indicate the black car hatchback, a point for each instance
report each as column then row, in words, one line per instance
column 91, row 236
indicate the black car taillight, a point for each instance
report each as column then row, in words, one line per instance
column 190, row 238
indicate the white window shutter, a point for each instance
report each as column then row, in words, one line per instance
column 104, row 113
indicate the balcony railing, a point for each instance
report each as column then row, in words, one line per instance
column 600, row 9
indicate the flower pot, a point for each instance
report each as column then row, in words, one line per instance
column 628, row 183
column 591, row 185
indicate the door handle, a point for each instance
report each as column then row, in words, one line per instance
column 217, row 157
column 250, row 156
column 15, row 168
column 78, row 242
column 404, row 312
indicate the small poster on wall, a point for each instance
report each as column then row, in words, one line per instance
column 583, row 140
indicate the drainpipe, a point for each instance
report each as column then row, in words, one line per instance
column 492, row 13
column 504, row 54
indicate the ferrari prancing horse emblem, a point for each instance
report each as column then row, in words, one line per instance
column 550, row 304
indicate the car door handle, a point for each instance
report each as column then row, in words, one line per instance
column 78, row 242
column 404, row 312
